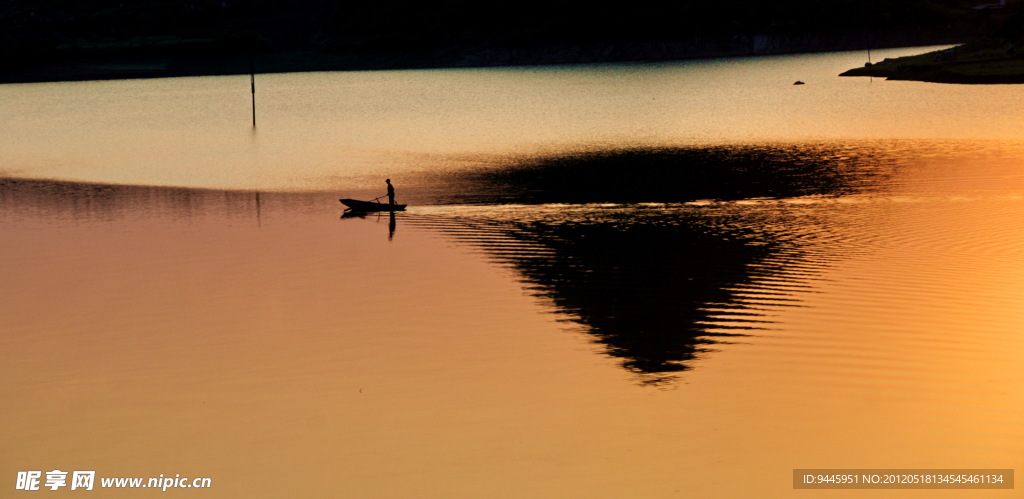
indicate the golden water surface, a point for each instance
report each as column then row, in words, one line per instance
column 170, row 305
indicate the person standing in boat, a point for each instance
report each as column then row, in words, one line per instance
column 391, row 192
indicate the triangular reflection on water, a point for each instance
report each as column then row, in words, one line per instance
column 655, row 287
column 615, row 239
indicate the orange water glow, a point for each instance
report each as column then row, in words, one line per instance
column 156, row 323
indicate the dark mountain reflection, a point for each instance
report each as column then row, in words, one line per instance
column 654, row 287
column 656, row 281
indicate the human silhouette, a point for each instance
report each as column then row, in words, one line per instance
column 391, row 192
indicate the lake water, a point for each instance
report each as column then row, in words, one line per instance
column 648, row 280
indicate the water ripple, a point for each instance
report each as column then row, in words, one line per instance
column 657, row 285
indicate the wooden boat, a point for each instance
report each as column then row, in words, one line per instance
column 367, row 206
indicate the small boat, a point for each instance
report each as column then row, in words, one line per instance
column 367, row 206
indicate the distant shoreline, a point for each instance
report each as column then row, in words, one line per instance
column 169, row 65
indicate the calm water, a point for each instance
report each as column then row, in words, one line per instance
column 671, row 280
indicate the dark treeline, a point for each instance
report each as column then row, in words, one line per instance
column 463, row 21
column 44, row 31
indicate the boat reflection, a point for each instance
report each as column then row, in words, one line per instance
column 377, row 216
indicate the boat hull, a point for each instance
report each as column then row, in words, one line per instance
column 367, row 206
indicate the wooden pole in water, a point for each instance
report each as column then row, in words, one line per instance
column 259, row 217
column 252, row 85
column 870, row 65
